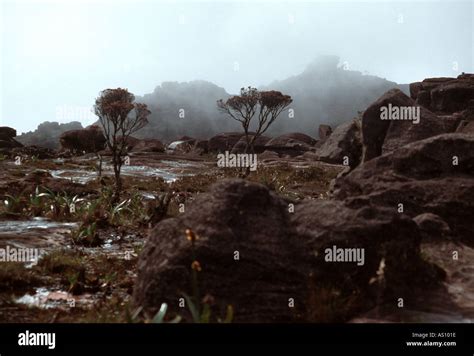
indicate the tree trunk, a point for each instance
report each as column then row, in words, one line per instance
column 118, row 181
column 100, row 165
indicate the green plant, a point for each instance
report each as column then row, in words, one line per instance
column 159, row 317
column 86, row 235
column 13, row 205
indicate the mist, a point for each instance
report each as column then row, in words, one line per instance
column 56, row 56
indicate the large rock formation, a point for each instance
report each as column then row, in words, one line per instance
column 444, row 95
column 90, row 139
column 47, row 134
column 435, row 175
column 260, row 258
column 381, row 135
column 7, row 141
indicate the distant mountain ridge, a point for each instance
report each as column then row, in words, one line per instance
column 324, row 93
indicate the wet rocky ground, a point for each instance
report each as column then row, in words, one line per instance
column 75, row 281
column 91, row 279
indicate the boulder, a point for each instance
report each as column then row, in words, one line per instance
column 444, row 95
column 453, row 95
column 291, row 144
column 373, row 128
column 258, row 145
column 179, row 147
column 404, row 132
column 382, row 136
column 434, row 175
column 90, row 139
column 224, row 141
column 7, row 141
column 288, row 139
column 268, row 156
column 7, row 133
column 344, row 142
column 382, row 234
column 280, row 256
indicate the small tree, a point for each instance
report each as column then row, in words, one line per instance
column 265, row 105
column 119, row 117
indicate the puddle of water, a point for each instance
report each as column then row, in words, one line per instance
column 74, row 175
column 83, row 176
column 145, row 171
column 35, row 233
column 46, row 299
column 37, row 223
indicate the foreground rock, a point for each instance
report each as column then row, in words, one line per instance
column 435, row 176
column 280, row 256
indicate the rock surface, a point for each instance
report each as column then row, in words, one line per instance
column 280, row 255
column 343, row 144
column 90, row 139
column 435, row 175
column 224, row 141
column 258, row 145
column 7, row 141
column 382, row 136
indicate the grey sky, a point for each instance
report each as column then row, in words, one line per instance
column 57, row 55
